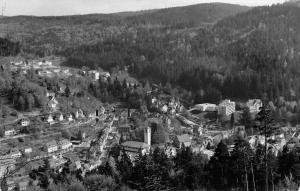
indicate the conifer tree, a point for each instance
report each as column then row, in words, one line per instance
column 219, row 167
column 267, row 128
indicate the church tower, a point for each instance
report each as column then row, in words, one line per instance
column 147, row 135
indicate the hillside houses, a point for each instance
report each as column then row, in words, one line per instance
column 226, row 108
column 27, row 150
column 104, row 75
column 65, row 145
column 42, row 68
column 45, row 73
column 60, row 117
column 208, row 107
column 44, row 63
column 24, row 122
column 51, row 146
column 50, row 119
column 10, row 132
column 254, row 105
column 52, row 104
column 70, row 118
column 63, row 118
column 79, row 114
column 94, row 74
column 168, row 105
column 15, row 153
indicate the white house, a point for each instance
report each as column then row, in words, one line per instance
column 24, row 122
column 50, row 119
column 61, row 117
column 206, row 107
column 45, row 63
column 94, row 74
column 9, row 132
column 50, row 94
column 65, row 144
column 253, row 141
column 153, row 100
column 45, row 73
column 105, row 75
column 51, row 147
column 226, row 107
column 15, row 153
column 254, row 105
column 70, row 117
column 52, row 103
column 79, row 114
column 208, row 153
column 170, row 151
column 27, row 150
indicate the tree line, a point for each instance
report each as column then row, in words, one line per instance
column 243, row 168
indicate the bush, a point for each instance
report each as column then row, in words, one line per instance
column 66, row 134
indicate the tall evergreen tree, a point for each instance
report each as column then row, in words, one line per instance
column 240, row 162
column 219, row 167
column 267, row 128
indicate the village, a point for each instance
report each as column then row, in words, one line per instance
column 87, row 139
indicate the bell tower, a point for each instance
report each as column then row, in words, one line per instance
column 147, row 135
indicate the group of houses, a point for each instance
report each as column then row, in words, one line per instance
column 166, row 106
column 95, row 74
column 52, row 118
column 8, row 162
column 60, row 117
column 133, row 148
column 42, row 68
column 228, row 107
column 61, row 145
column 205, row 142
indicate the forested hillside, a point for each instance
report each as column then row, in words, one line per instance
column 50, row 35
column 189, row 16
column 251, row 54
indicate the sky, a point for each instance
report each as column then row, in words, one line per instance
column 70, row 7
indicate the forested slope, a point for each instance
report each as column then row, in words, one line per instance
column 251, row 54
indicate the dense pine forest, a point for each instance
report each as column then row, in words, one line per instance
column 256, row 52
column 8, row 48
